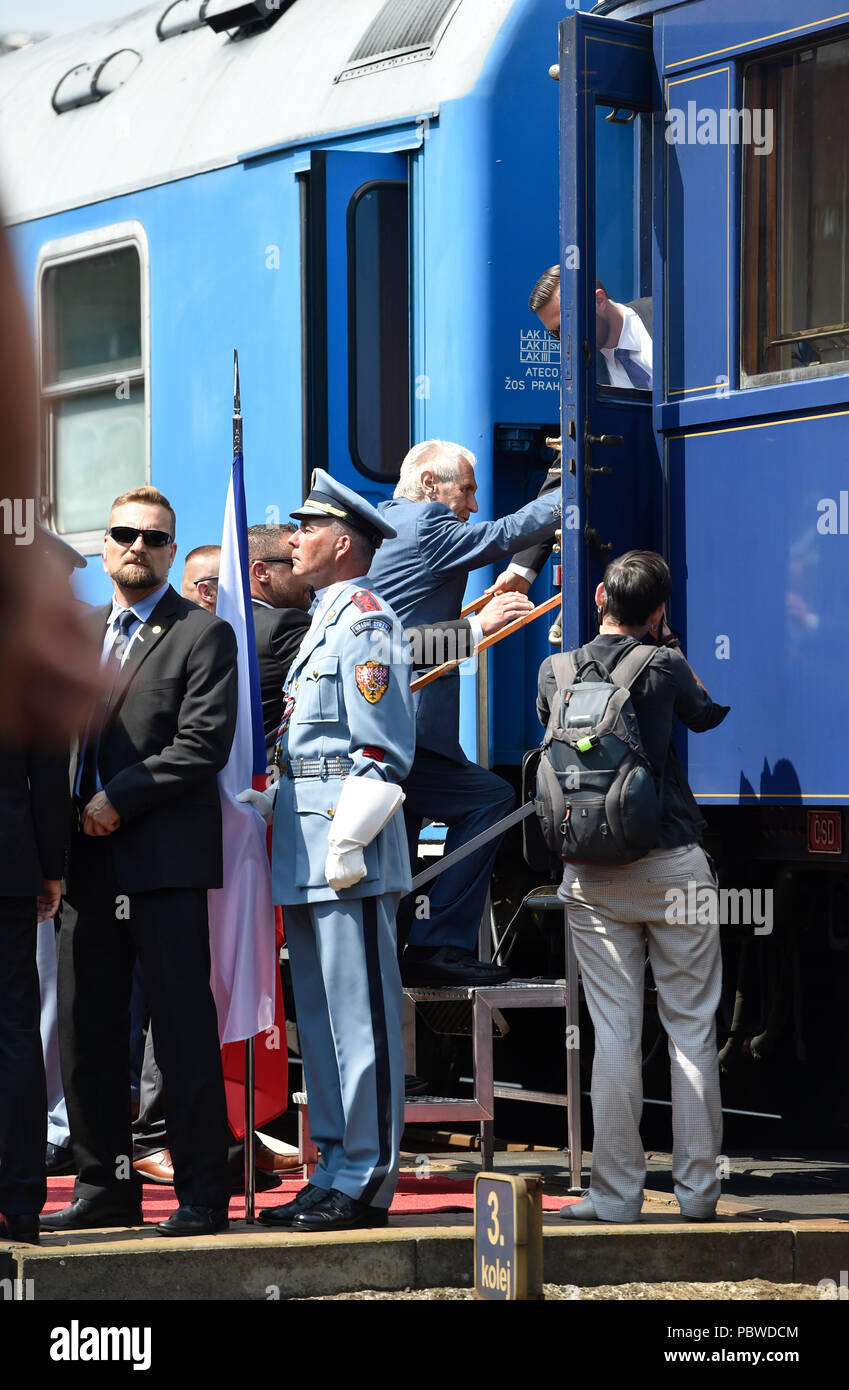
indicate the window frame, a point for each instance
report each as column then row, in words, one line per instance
column 749, row 197
column 353, row 417
column 64, row 251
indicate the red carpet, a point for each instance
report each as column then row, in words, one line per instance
column 414, row 1196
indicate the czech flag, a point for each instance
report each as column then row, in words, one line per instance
column 243, row 941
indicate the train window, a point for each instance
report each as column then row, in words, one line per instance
column 796, row 215
column 93, row 382
column 623, row 252
column 379, row 328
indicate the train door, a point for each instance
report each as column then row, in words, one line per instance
column 356, row 314
column 611, row 479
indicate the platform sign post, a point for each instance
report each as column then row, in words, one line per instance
column 508, row 1237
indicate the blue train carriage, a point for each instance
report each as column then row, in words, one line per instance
column 735, row 117
column 358, row 194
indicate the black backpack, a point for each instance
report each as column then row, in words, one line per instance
column 597, row 794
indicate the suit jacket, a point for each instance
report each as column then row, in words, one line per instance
column 34, row 820
column 422, row 574
column 350, row 688
column 167, row 733
column 279, row 633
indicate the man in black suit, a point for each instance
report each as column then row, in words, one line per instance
column 34, row 818
column 146, row 849
column 280, row 602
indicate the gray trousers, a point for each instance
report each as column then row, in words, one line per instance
column 616, row 912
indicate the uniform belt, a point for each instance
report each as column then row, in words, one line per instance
column 319, row 767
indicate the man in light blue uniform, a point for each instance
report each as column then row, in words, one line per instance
column 422, row 573
column 340, row 863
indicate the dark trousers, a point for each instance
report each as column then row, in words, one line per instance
column 23, row 1093
column 468, row 799
column 102, row 932
column 150, row 1130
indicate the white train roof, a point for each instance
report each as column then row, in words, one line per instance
column 200, row 100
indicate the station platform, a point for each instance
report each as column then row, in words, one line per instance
column 428, row 1244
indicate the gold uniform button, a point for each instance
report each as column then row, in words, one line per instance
column 331, row 811
column 315, row 673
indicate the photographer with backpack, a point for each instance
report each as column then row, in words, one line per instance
column 615, row 806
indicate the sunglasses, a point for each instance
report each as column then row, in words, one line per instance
column 273, row 560
column 128, row 535
column 207, row 579
column 554, row 333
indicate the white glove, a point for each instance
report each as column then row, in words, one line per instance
column 365, row 806
column 262, row 801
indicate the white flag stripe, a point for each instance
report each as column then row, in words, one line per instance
column 241, row 915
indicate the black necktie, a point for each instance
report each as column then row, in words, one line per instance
column 88, row 777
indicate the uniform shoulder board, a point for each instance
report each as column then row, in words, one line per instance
column 365, row 601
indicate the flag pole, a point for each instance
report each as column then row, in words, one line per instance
column 250, row 1100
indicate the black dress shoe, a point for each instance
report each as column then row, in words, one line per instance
column 282, row 1217
column 59, row 1161
column 449, row 965
column 86, row 1213
column 195, row 1221
column 339, row 1212
column 20, row 1228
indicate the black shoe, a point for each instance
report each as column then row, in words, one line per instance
column 87, row 1213
column 195, row 1221
column 339, row 1212
column 59, row 1161
column 20, row 1228
column 282, row 1217
column 422, row 966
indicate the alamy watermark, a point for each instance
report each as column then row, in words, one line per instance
column 17, row 518
column 723, row 125
column 702, row 905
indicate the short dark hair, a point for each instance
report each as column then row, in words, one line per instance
column 265, row 534
column 544, row 288
column 635, row 585
column 361, row 544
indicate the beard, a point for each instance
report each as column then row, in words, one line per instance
column 135, row 576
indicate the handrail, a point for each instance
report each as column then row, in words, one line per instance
column 429, row 676
column 476, row 605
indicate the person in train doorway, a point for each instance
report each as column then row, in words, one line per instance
column 623, row 359
column 618, row 911
column 623, row 332
column 422, row 572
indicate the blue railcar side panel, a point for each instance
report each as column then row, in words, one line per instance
column 761, row 541
column 708, row 33
column 224, row 273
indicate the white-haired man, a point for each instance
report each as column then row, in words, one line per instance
column 421, row 573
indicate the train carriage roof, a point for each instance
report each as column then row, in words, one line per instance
column 201, row 100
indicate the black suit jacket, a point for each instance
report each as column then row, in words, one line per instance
column 34, row 820
column 279, row 633
column 167, row 733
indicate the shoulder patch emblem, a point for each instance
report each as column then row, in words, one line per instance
column 365, row 624
column 372, row 680
column 366, row 602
